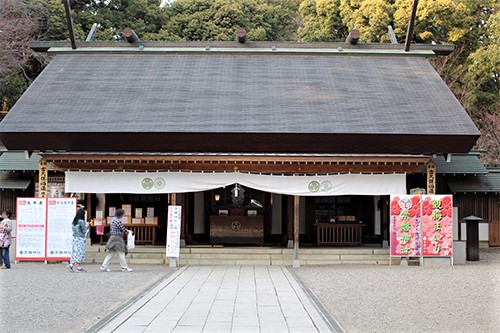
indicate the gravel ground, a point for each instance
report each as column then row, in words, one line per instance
column 47, row 298
column 411, row 298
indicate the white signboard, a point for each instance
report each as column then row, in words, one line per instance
column 174, row 231
column 60, row 214
column 31, row 228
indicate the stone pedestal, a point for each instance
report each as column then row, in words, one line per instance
column 437, row 262
column 458, row 253
column 172, row 262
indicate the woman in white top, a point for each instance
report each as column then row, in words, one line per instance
column 5, row 238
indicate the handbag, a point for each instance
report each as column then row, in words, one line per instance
column 130, row 241
column 4, row 240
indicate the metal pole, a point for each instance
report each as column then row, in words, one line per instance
column 392, row 35
column 421, row 241
column 296, row 230
column 411, row 25
column 69, row 20
column 92, row 32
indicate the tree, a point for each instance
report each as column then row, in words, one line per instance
column 482, row 82
column 20, row 22
column 321, row 21
column 370, row 17
column 217, row 20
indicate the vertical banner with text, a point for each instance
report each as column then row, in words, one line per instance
column 31, row 227
column 405, row 226
column 60, row 214
column 421, row 226
column 437, row 225
column 174, row 231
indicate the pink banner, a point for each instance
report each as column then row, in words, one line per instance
column 405, row 226
column 437, row 219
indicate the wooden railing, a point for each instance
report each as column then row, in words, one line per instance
column 339, row 233
column 144, row 233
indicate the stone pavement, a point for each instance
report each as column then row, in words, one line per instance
column 224, row 299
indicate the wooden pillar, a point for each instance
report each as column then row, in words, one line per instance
column 89, row 206
column 431, row 178
column 411, row 25
column 43, row 178
column 290, row 221
column 296, row 230
column 183, row 219
column 385, row 221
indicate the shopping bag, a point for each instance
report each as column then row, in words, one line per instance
column 99, row 230
column 130, row 241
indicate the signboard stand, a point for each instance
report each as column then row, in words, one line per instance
column 173, row 234
column 422, row 226
column 44, row 230
column 31, row 229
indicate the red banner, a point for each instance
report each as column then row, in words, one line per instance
column 405, row 226
column 421, row 225
column 437, row 220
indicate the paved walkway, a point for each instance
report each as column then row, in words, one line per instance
column 220, row 299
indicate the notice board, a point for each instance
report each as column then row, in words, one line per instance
column 44, row 228
column 60, row 214
column 174, row 231
column 31, row 215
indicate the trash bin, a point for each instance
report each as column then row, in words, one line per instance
column 472, row 251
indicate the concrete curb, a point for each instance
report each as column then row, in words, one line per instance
column 329, row 319
column 138, row 300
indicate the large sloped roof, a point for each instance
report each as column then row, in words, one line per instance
column 261, row 102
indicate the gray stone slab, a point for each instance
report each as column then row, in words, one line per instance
column 246, row 321
column 131, row 329
column 217, row 327
column 187, row 329
column 218, row 299
column 192, row 321
column 245, row 329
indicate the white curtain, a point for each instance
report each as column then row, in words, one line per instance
column 182, row 182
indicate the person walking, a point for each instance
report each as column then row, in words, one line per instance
column 79, row 232
column 5, row 239
column 116, row 244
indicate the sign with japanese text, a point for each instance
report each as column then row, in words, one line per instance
column 44, row 228
column 174, row 231
column 405, row 226
column 421, row 225
column 43, row 177
column 60, row 214
column 31, row 228
column 431, row 178
column 437, row 225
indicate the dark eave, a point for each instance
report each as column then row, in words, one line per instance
column 242, row 142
